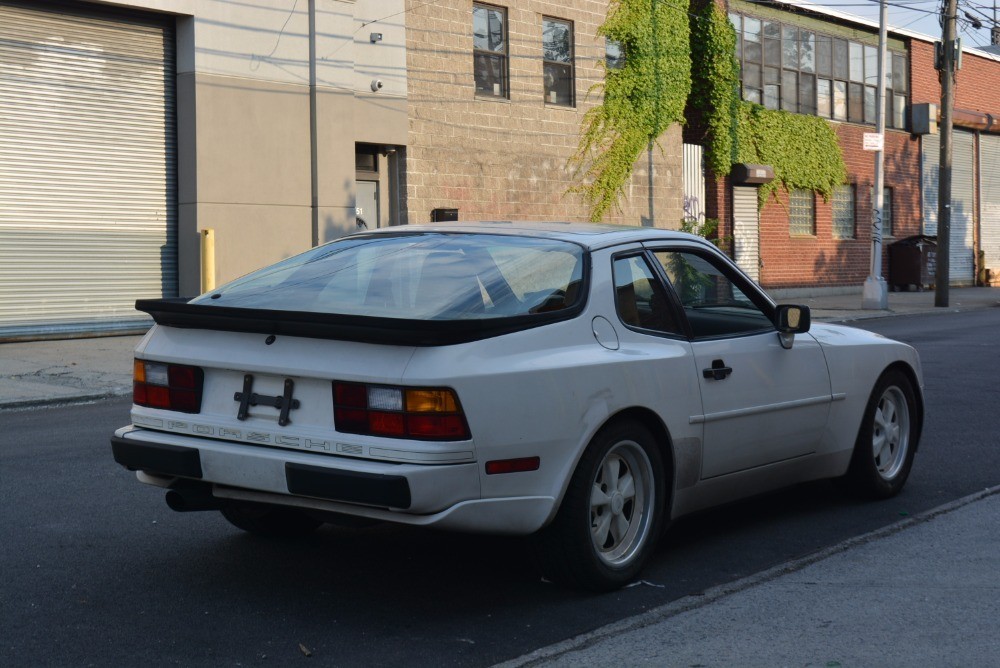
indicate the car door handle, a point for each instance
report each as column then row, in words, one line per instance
column 719, row 371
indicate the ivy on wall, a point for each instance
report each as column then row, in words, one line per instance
column 673, row 59
column 641, row 100
column 802, row 149
column 715, row 86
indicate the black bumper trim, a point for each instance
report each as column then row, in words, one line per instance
column 157, row 457
column 372, row 489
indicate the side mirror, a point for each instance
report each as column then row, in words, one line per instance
column 792, row 319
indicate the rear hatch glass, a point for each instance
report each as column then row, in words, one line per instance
column 421, row 276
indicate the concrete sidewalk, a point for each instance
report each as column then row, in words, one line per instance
column 922, row 592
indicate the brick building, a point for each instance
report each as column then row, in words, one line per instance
column 495, row 111
column 808, row 59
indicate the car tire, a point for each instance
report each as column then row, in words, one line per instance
column 270, row 521
column 611, row 515
column 887, row 439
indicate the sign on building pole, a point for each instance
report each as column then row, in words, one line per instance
column 875, row 293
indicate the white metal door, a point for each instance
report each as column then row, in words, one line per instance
column 962, row 266
column 88, row 203
column 989, row 199
column 366, row 206
column 746, row 231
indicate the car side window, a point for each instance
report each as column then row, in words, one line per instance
column 715, row 306
column 641, row 300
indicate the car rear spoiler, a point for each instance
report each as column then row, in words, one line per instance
column 178, row 312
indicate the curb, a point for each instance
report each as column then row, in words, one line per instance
column 62, row 401
column 714, row 594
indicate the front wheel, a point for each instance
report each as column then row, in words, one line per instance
column 609, row 519
column 887, row 439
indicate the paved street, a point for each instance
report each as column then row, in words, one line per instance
column 96, row 570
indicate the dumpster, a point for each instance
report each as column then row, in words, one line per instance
column 913, row 261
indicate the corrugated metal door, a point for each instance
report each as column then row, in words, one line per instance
column 989, row 200
column 694, row 182
column 88, row 204
column 746, row 231
column 962, row 266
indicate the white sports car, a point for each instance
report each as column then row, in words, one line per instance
column 584, row 384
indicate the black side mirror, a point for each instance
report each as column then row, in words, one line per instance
column 792, row 319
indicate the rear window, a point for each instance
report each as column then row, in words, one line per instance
column 417, row 276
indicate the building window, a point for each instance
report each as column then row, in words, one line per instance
column 489, row 50
column 557, row 57
column 787, row 67
column 614, row 54
column 843, row 212
column 802, row 214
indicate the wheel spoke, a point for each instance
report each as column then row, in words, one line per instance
column 619, row 528
column 626, row 485
column 598, row 499
column 609, row 473
column 888, row 412
column 601, row 528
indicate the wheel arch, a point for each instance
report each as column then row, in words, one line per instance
column 651, row 421
column 918, row 394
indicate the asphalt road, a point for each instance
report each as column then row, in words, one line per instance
column 96, row 570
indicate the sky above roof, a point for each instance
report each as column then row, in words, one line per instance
column 923, row 16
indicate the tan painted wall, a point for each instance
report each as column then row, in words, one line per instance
column 243, row 122
column 507, row 159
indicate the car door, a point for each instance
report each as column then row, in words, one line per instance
column 761, row 403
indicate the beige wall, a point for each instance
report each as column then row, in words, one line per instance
column 507, row 159
column 244, row 159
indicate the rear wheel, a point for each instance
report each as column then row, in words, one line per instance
column 270, row 521
column 607, row 524
column 887, row 440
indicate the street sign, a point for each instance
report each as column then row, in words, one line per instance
column 874, row 141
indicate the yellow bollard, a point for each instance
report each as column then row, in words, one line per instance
column 207, row 260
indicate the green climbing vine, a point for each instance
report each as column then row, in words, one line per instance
column 641, row 99
column 715, row 86
column 802, row 149
column 673, row 59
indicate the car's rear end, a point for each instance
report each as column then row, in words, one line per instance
column 290, row 388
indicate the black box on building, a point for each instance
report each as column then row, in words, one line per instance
column 444, row 215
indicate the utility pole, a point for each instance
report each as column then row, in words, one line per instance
column 946, row 64
column 875, row 293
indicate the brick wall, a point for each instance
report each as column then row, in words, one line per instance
column 507, row 159
column 821, row 259
column 977, row 87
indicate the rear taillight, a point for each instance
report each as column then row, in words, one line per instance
column 427, row 414
column 172, row 387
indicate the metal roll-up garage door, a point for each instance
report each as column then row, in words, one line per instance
column 962, row 260
column 746, row 231
column 989, row 200
column 88, row 204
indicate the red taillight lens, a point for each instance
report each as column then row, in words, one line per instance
column 173, row 387
column 519, row 465
column 429, row 414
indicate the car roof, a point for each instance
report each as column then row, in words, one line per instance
column 589, row 235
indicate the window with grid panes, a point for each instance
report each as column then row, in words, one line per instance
column 788, row 67
column 842, row 206
column 801, row 213
column 557, row 61
column 489, row 50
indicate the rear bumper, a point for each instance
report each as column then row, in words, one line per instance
column 445, row 496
